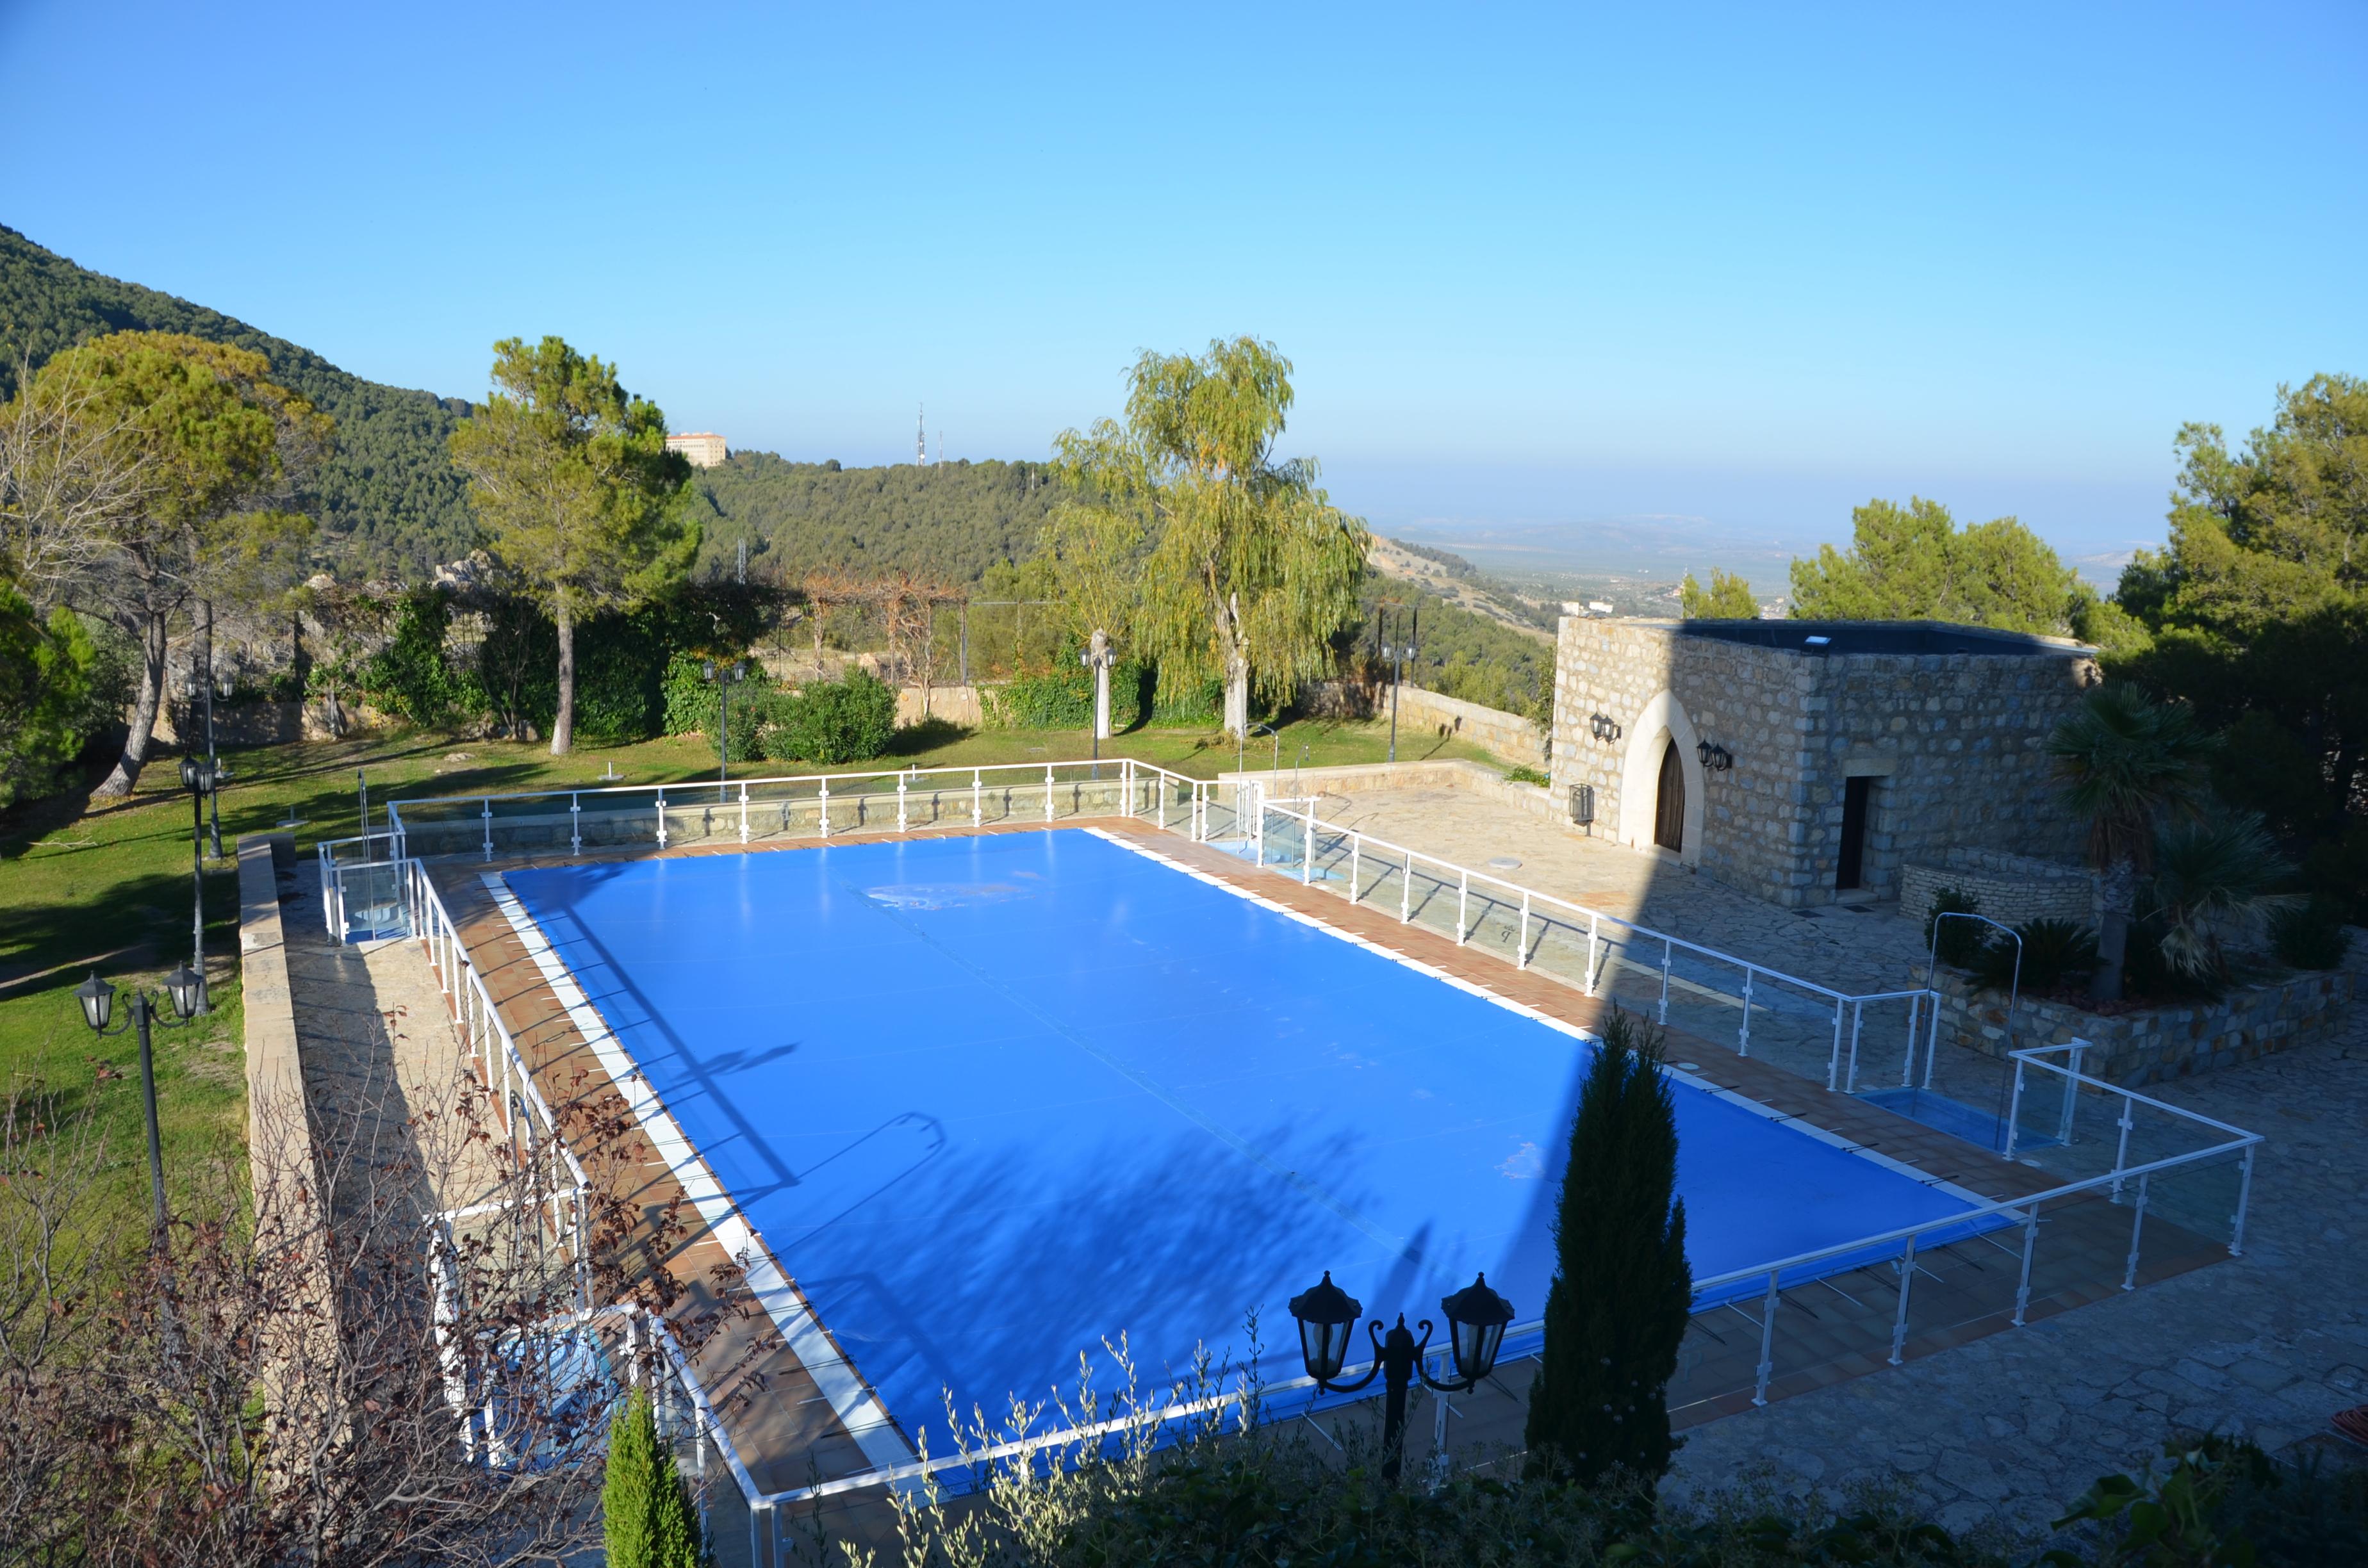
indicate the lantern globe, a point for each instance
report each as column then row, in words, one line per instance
column 1477, row 1320
column 188, row 990
column 1326, row 1313
column 98, row 999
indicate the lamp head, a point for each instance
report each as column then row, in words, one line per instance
column 1326, row 1314
column 98, row 999
column 1476, row 1318
column 187, row 989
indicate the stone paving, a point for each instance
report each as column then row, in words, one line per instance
column 2001, row 1434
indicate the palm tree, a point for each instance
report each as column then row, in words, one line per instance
column 2212, row 876
column 2129, row 763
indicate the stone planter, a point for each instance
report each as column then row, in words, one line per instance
column 2152, row 1044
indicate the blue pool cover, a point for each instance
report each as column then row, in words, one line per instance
column 990, row 1100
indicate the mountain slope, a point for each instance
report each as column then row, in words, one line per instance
column 389, row 501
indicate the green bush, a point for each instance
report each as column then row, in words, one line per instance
column 831, row 723
column 411, row 677
column 59, row 687
column 647, row 1517
column 693, row 705
column 1961, row 941
column 2052, row 953
column 1525, row 776
column 1065, row 698
column 2311, row 936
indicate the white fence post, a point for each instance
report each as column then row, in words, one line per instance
column 575, row 825
column 2121, row 1151
column 1743, row 1035
column 1524, row 951
column 1907, row 1068
column 2013, row 1110
column 825, row 808
column 2244, row 1198
column 744, row 811
column 1307, row 850
column 2137, row 1224
column 1048, row 791
column 1661, row 1016
column 1356, row 857
column 1462, row 904
column 1767, row 1343
column 1834, row 1063
column 662, row 828
column 2029, row 1243
column 1858, row 1021
column 1593, row 921
column 1406, row 890
column 489, row 827
column 1899, row 1323
column 901, row 780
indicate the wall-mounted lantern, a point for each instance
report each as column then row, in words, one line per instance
column 1714, row 759
column 1601, row 726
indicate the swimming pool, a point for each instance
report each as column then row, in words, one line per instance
column 991, row 1100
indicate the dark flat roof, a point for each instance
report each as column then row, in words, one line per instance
column 1908, row 638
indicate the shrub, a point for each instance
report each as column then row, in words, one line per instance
column 1961, row 941
column 1065, row 698
column 831, row 723
column 646, row 1511
column 411, row 677
column 1617, row 1309
column 2052, row 952
column 694, row 704
column 2310, row 936
column 1525, row 775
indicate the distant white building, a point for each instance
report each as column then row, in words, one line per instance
column 703, row 448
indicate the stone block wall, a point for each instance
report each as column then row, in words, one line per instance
column 2009, row 888
column 2153, row 1044
column 1953, row 741
column 1508, row 735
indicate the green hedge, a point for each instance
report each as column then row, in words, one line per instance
column 1065, row 699
column 834, row 721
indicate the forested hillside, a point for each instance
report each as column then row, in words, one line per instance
column 949, row 521
column 388, row 499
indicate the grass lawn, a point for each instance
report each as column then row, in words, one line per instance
column 106, row 885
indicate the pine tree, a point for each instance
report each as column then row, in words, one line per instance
column 648, row 1517
column 1621, row 1291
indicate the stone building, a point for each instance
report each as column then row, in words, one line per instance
column 1808, row 762
column 705, row 449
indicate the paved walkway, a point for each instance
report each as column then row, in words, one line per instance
column 2004, row 1432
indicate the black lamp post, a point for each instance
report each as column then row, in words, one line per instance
column 201, row 686
column 723, row 675
column 1477, row 1320
column 97, row 998
column 1396, row 655
column 198, row 778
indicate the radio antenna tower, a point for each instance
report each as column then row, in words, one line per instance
column 921, row 438
column 942, row 449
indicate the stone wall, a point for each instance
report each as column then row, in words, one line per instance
column 1365, row 778
column 261, row 724
column 1952, row 740
column 2151, row 1044
column 1508, row 735
column 2013, row 889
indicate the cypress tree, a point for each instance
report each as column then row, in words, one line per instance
column 647, row 1515
column 1622, row 1290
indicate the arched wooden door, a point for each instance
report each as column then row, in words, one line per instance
column 1669, row 812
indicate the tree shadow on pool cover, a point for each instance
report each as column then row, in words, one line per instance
column 995, row 1279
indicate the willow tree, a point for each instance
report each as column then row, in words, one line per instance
column 582, row 502
column 1251, row 568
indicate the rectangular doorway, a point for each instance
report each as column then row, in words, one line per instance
column 1851, row 870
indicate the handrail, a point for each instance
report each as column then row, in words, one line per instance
column 1034, row 768
column 1538, row 897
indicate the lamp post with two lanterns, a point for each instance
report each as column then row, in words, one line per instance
column 198, row 778
column 188, row 991
column 725, row 676
column 1476, row 1319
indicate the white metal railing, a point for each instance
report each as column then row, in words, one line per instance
column 501, row 1066
column 360, row 885
column 818, row 805
column 1204, row 811
column 1532, row 916
column 2228, row 1142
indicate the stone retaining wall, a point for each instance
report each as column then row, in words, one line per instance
column 1508, row 735
column 2154, row 1043
column 2015, row 889
column 1366, row 778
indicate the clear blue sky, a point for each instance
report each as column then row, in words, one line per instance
column 1739, row 267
